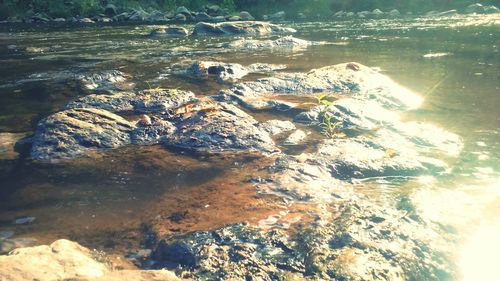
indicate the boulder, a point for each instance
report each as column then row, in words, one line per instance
column 67, row 260
column 85, row 20
column 350, row 79
column 180, row 18
column 279, row 16
column 246, row 16
column 364, row 14
column 183, row 10
column 77, row 132
column 169, row 32
column 222, row 72
column 203, row 17
column 110, row 10
column 295, row 138
column 394, row 13
column 491, row 10
column 216, row 128
column 283, row 43
column 214, row 11
column 475, row 8
column 138, row 15
column 234, row 18
column 239, row 28
column 377, row 13
column 146, row 101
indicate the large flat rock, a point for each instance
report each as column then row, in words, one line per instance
column 240, row 28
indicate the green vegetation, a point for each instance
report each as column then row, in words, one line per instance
column 66, row 8
column 329, row 126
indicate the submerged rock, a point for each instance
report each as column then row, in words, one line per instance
column 75, row 132
column 239, row 28
column 215, row 128
column 169, row 32
column 66, row 260
column 285, row 43
column 146, row 101
column 363, row 242
column 104, row 81
column 9, row 244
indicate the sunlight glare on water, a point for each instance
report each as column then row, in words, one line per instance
column 480, row 255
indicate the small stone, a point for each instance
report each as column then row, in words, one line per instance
column 4, row 234
column 24, row 220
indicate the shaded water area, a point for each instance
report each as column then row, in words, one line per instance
column 115, row 200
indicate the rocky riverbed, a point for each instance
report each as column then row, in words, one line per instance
column 206, row 165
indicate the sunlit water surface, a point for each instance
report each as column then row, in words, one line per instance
column 453, row 63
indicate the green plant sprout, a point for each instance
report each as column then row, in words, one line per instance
column 330, row 127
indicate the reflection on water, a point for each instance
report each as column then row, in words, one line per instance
column 452, row 63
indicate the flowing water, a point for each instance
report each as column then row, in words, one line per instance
column 106, row 202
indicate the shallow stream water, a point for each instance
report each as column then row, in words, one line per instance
column 107, row 202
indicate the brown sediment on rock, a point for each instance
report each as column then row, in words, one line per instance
column 229, row 198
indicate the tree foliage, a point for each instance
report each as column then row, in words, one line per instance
column 66, row 8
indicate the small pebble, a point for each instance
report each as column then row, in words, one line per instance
column 6, row 234
column 24, row 220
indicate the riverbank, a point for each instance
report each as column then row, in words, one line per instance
column 111, row 16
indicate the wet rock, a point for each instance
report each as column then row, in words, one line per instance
column 349, row 247
column 448, row 13
column 180, row 18
column 491, row 10
column 474, row 8
column 183, row 10
column 76, row 132
column 85, row 20
column 152, row 130
column 169, row 32
column 276, row 127
column 218, row 19
column 110, row 10
column 295, row 138
column 394, row 13
column 279, row 16
column 364, row 14
column 215, row 128
column 138, row 15
column 377, row 13
column 146, row 101
column 221, row 71
column 239, row 28
column 246, row 16
column 9, row 244
column 234, row 18
column 350, row 79
column 59, row 20
column 232, row 253
column 203, row 17
column 24, row 220
column 285, row 43
column 363, row 157
column 104, row 81
column 214, row 11
column 66, row 260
